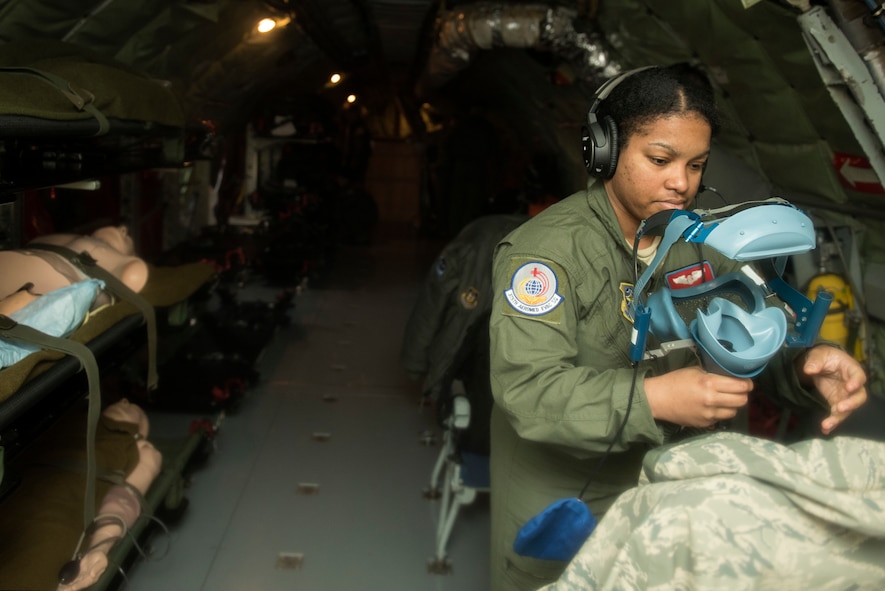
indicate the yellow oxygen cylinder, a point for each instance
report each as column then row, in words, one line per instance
column 839, row 326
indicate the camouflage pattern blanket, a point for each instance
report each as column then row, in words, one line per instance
column 729, row 511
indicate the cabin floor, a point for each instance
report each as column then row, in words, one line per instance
column 316, row 480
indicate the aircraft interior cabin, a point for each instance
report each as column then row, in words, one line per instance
column 474, row 295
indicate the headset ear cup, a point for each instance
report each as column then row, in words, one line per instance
column 611, row 132
column 595, row 149
column 600, row 147
column 600, row 139
column 588, row 150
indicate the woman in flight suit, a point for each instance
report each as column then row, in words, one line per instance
column 560, row 330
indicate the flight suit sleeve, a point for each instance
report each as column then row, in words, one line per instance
column 535, row 377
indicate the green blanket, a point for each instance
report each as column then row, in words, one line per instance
column 56, row 81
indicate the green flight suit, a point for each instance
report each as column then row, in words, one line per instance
column 456, row 293
column 561, row 374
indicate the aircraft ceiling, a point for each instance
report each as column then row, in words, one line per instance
column 533, row 66
column 208, row 50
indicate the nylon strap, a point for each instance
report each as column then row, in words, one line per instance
column 10, row 330
column 674, row 230
column 90, row 267
column 81, row 98
column 111, row 476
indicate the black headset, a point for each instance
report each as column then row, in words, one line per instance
column 599, row 140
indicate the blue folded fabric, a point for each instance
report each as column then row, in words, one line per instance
column 557, row 533
column 57, row 313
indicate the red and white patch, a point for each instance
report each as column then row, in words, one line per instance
column 689, row 276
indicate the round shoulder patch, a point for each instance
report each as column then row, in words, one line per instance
column 533, row 289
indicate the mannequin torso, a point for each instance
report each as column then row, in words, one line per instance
column 110, row 246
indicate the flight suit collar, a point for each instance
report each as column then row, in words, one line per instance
column 601, row 207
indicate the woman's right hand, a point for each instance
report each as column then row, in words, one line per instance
column 692, row 397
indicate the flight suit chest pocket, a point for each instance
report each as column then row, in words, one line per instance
column 603, row 326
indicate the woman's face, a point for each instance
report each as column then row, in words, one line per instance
column 659, row 168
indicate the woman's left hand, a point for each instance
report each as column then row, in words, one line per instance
column 838, row 377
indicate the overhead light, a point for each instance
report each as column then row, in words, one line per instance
column 334, row 80
column 266, row 25
column 351, row 98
